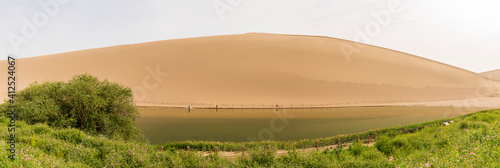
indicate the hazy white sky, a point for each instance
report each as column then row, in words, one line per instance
column 461, row 33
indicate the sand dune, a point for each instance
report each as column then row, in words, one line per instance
column 256, row 69
column 495, row 74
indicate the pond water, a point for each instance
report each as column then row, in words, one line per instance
column 177, row 124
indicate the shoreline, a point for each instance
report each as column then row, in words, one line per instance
column 482, row 102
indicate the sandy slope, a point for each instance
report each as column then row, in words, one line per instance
column 495, row 74
column 261, row 69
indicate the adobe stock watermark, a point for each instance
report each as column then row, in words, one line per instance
column 31, row 26
column 12, row 114
column 221, row 7
column 149, row 82
column 372, row 29
column 282, row 118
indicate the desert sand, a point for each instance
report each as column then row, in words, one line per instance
column 495, row 74
column 262, row 70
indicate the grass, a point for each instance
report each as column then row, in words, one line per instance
column 471, row 141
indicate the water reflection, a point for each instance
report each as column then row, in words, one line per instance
column 177, row 124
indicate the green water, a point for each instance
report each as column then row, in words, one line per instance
column 177, row 124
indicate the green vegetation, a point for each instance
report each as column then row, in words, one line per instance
column 470, row 141
column 39, row 145
column 85, row 103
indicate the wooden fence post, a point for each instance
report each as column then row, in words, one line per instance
column 293, row 147
column 317, row 144
column 242, row 150
column 358, row 138
column 215, row 149
column 338, row 147
column 375, row 137
column 368, row 139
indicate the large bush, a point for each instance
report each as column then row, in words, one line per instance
column 86, row 103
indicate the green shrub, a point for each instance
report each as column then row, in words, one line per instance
column 384, row 145
column 464, row 125
column 34, row 141
column 417, row 142
column 371, row 154
column 485, row 117
column 356, row 149
column 188, row 159
column 41, row 129
column 69, row 135
column 335, row 152
column 399, row 142
column 163, row 159
column 84, row 102
column 393, row 134
column 442, row 143
column 263, row 156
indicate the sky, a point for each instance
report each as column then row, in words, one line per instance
column 461, row 33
